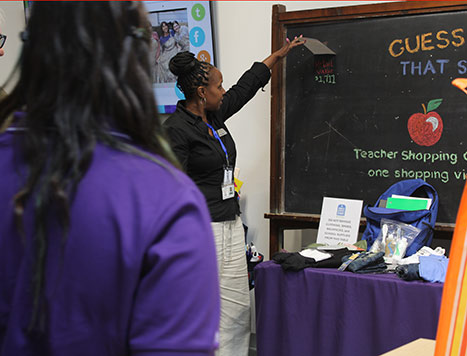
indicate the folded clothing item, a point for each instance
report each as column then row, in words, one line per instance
column 367, row 262
column 424, row 251
column 358, row 246
column 294, row 261
column 336, row 260
column 315, row 254
column 408, row 272
column 433, row 268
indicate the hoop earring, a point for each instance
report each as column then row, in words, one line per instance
column 203, row 101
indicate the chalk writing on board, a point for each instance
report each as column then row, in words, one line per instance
column 391, row 113
column 424, row 42
column 413, row 156
column 326, row 79
column 428, row 42
column 424, row 68
column 324, row 70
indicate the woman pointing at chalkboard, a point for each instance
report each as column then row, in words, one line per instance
column 206, row 150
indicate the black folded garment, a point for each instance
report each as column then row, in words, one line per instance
column 294, row 261
column 409, row 272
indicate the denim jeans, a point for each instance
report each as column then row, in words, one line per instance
column 367, row 262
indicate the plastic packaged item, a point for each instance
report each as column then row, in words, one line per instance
column 394, row 238
column 380, row 243
column 377, row 246
column 390, row 247
column 401, row 247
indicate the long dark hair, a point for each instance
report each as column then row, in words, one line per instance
column 168, row 27
column 84, row 72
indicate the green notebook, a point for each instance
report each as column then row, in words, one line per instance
column 406, row 204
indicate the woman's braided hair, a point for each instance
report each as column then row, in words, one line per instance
column 191, row 72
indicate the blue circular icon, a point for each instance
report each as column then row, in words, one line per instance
column 197, row 36
column 179, row 93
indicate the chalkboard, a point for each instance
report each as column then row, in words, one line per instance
column 381, row 110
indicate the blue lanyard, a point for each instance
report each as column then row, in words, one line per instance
column 220, row 141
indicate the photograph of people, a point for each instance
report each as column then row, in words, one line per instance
column 182, row 37
column 2, row 43
column 11, row 24
column 155, row 54
column 170, row 31
column 168, row 50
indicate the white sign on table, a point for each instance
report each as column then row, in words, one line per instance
column 340, row 221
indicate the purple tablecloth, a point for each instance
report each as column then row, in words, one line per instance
column 325, row 312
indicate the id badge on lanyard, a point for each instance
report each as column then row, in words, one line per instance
column 228, row 187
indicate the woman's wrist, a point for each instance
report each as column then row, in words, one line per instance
column 271, row 60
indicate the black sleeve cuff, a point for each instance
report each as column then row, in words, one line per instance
column 262, row 72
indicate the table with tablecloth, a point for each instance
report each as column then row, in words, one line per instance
column 326, row 312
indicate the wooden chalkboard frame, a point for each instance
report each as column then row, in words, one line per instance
column 281, row 19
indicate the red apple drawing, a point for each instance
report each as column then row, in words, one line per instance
column 426, row 129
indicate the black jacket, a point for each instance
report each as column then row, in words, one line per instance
column 201, row 155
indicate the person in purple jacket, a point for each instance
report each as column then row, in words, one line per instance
column 106, row 247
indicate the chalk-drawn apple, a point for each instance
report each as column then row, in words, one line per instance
column 426, row 129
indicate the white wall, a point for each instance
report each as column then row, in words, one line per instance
column 243, row 35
